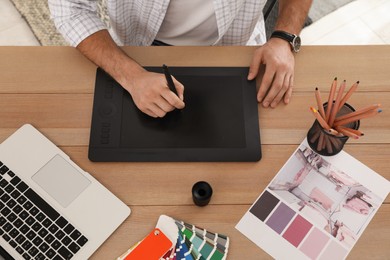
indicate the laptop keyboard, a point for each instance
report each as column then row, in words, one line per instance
column 30, row 225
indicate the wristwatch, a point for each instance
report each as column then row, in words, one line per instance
column 294, row 40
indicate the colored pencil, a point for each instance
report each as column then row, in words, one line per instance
column 320, row 142
column 335, row 107
column 335, row 142
column 333, row 132
column 330, row 99
column 356, row 132
column 347, row 133
column 358, row 112
column 357, row 117
column 320, row 120
column 315, row 136
column 348, row 94
column 328, row 144
column 319, row 103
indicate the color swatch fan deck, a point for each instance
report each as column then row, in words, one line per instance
column 173, row 240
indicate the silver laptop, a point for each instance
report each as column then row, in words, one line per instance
column 49, row 207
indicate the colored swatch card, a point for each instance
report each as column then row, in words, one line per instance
column 221, row 240
column 192, row 250
column 185, row 248
column 167, row 225
column 170, row 255
column 209, row 245
column 154, row 246
column 316, row 207
column 181, row 248
column 206, row 241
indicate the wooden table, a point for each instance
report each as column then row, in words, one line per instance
column 52, row 88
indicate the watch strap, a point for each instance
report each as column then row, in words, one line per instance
column 283, row 35
column 294, row 40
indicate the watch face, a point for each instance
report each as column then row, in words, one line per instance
column 296, row 43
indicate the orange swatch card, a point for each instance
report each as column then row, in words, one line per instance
column 154, row 246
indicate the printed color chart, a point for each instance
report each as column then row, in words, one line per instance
column 294, row 228
column 316, row 207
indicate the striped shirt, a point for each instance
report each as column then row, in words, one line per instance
column 137, row 22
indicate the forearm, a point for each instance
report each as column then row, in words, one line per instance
column 278, row 79
column 149, row 90
column 101, row 49
column 292, row 15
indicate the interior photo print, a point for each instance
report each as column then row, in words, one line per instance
column 325, row 195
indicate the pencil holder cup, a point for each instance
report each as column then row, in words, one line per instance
column 325, row 143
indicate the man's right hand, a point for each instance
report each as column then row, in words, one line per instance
column 149, row 90
column 151, row 94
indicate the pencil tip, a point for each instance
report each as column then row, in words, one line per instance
column 357, row 82
column 316, row 88
column 335, row 78
column 362, row 134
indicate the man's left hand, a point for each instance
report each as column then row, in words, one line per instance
column 278, row 79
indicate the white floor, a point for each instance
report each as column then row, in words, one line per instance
column 13, row 29
column 359, row 23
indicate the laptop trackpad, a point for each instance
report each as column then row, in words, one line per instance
column 61, row 180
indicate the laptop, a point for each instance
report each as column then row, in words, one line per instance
column 49, row 207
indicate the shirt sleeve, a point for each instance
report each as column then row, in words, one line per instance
column 76, row 19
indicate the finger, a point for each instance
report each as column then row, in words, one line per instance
column 173, row 100
column 150, row 113
column 288, row 94
column 274, row 89
column 162, row 102
column 255, row 64
column 179, row 88
column 265, row 84
column 155, row 109
column 282, row 91
column 270, row 86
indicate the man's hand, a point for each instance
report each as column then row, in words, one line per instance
column 151, row 94
column 150, row 91
column 278, row 79
column 276, row 55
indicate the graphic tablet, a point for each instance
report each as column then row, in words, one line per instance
column 219, row 121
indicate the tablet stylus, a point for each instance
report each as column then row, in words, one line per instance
column 168, row 76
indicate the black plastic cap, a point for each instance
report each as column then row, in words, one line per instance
column 201, row 193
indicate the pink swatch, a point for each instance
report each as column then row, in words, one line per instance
column 314, row 243
column 297, row 230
